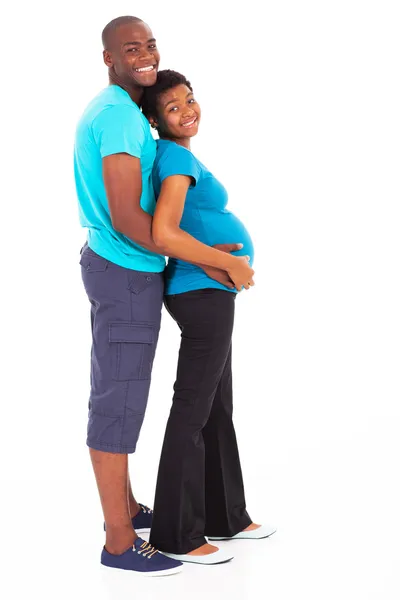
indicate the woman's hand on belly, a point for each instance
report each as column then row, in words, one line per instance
column 218, row 274
column 241, row 273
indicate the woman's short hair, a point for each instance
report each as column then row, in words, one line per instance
column 166, row 80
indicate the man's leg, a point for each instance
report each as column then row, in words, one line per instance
column 111, row 471
column 126, row 313
column 134, row 507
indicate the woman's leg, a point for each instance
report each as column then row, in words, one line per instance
column 206, row 321
column 226, row 513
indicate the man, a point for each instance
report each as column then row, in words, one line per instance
column 122, row 271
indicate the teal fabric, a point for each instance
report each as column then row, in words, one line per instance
column 112, row 124
column 205, row 215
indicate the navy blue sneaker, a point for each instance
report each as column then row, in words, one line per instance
column 143, row 520
column 144, row 559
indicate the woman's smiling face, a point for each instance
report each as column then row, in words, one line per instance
column 178, row 113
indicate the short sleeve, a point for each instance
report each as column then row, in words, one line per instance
column 118, row 129
column 178, row 161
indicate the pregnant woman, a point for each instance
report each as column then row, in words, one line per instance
column 199, row 488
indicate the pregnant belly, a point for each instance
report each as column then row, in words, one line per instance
column 228, row 229
column 223, row 228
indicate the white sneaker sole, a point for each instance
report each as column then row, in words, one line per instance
column 257, row 534
column 165, row 573
column 216, row 558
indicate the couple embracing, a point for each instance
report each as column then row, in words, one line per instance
column 142, row 200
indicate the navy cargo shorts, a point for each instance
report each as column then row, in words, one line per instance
column 125, row 316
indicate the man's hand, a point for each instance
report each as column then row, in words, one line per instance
column 228, row 248
column 220, row 276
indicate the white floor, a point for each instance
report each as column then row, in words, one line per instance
column 316, row 346
column 337, row 513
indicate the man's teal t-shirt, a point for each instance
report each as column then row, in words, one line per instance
column 113, row 124
column 205, row 216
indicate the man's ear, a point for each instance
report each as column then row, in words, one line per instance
column 153, row 123
column 108, row 59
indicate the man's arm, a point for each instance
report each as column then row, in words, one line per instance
column 120, row 134
column 123, row 182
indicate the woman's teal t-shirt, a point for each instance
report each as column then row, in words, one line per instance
column 205, row 215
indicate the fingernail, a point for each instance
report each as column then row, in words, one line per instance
column 240, row 245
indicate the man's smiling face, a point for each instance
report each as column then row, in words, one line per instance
column 133, row 55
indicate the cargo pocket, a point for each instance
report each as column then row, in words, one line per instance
column 93, row 263
column 141, row 281
column 132, row 350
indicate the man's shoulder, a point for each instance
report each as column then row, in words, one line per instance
column 112, row 98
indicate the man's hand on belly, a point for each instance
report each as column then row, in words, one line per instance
column 228, row 247
column 220, row 276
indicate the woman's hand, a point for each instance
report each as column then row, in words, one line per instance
column 220, row 275
column 241, row 273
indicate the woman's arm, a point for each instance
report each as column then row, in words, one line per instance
column 173, row 241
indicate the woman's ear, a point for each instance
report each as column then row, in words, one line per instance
column 153, row 123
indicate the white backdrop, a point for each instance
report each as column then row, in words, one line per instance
column 300, row 121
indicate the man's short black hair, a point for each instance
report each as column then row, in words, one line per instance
column 166, row 80
column 110, row 29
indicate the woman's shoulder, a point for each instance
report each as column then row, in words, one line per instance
column 172, row 158
column 167, row 149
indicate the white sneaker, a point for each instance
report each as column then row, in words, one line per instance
column 216, row 558
column 256, row 534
